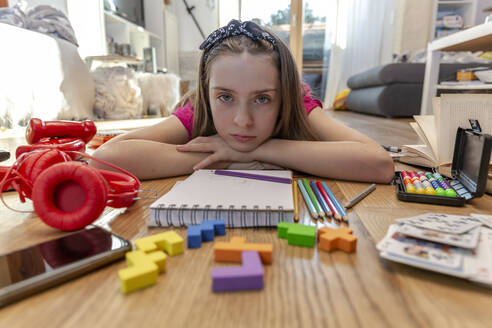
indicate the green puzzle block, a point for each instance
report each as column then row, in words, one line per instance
column 297, row 234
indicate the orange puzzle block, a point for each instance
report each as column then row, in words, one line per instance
column 341, row 238
column 231, row 251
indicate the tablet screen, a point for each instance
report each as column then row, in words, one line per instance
column 48, row 256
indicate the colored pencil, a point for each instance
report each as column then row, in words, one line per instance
column 332, row 206
column 307, row 200
column 322, row 201
column 253, row 176
column 315, row 202
column 357, row 198
column 296, row 202
column 335, row 201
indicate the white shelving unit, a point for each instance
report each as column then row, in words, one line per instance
column 93, row 26
column 473, row 39
column 465, row 8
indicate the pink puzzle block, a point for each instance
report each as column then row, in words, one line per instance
column 245, row 277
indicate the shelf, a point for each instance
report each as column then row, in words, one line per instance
column 450, row 2
column 477, row 38
column 154, row 36
column 116, row 59
column 465, row 86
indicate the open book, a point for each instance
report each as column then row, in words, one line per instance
column 438, row 131
column 425, row 154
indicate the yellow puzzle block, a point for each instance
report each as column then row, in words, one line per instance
column 169, row 241
column 142, row 271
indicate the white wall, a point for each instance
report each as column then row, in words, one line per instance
column 206, row 13
column 412, row 25
column 481, row 5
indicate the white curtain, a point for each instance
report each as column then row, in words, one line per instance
column 361, row 39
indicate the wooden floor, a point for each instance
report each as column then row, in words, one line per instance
column 383, row 130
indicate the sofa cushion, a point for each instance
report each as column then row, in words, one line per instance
column 402, row 73
column 392, row 100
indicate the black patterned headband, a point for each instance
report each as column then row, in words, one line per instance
column 235, row 27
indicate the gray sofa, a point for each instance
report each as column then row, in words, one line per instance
column 394, row 90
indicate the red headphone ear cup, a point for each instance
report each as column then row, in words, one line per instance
column 40, row 161
column 123, row 188
column 26, row 169
column 29, row 163
column 69, row 196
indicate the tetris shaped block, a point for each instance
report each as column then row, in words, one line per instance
column 169, row 241
column 297, row 234
column 231, row 251
column 245, row 277
column 143, row 269
column 341, row 238
column 205, row 231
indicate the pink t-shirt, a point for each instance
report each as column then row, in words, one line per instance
column 185, row 113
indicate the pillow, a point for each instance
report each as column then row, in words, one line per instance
column 160, row 92
column 118, row 95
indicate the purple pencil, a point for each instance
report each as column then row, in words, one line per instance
column 253, row 176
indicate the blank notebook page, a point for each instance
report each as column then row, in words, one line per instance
column 204, row 188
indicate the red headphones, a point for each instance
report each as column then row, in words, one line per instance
column 37, row 129
column 63, row 144
column 66, row 194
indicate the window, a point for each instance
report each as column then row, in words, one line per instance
column 303, row 25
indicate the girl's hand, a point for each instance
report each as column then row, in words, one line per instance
column 219, row 149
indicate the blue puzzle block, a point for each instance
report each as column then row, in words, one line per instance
column 194, row 235
column 219, row 226
column 204, row 232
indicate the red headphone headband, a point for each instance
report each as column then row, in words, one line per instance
column 64, row 144
column 37, row 129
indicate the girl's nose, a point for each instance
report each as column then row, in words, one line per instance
column 243, row 117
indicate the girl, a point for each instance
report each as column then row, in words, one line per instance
column 249, row 110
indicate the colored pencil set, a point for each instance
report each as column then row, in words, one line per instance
column 319, row 199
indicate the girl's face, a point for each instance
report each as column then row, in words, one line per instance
column 244, row 99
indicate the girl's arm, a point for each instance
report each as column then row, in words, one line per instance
column 150, row 152
column 348, row 154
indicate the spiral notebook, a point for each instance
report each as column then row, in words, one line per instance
column 240, row 202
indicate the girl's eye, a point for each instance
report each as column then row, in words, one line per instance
column 262, row 100
column 225, row 98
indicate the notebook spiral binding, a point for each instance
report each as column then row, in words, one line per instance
column 230, row 215
column 164, row 215
column 269, row 215
column 180, row 215
column 242, row 216
column 256, row 209
column 193, row 214
column 169, row 212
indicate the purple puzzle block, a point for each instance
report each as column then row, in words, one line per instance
column 247, row 276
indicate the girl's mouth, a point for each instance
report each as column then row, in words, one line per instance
column 243, row 138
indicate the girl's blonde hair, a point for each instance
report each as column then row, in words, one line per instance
column 292, row 120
